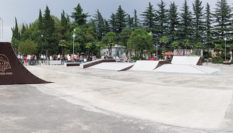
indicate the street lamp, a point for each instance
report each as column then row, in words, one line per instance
column 156, row 45
column 225, row 39
column 73, row 41
column 42, row 43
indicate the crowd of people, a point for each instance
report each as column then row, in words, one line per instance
column 43, row 59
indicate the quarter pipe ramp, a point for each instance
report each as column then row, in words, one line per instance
column 12, row 70
column 115, row 66
column 144, row 65
column 187, row 65
column 186, row 60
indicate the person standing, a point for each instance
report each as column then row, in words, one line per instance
column 25, row 60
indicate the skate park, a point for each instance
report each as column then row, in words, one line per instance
column 176, row 98
column 116, row 66
column 179, row 64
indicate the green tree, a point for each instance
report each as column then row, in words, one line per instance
column 78, row 15
column 198, row 20
column 106, row 27
column 198, row 45
column 135, row 20
column 164, row 42
column 49, row 37
column 223, row 20
column 85, row 36
column 22, row 34
column 218, row 48
column 161, row 19
column 62, row 27
column 40, row 19
column 120, row 20
column 186, row 43
column 100, row 25
column 109, row 39
column 208, row 27
column 64, row 24
column 186, row 22
column 129, row 21
column 173, row 21
column 175, row 45
column 16, row 36
column 124, row 36
column 140, row 40
column 149, row 17
column 27, row 47
column 63, row 44
column 113, row 23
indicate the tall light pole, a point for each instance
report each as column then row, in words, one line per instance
column 73, row 41
column 156, row 45
column 225, row 39
column 42, row 37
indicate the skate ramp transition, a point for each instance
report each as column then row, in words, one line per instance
column 186, row 69
column 186, row 60
column 12, row 70
column 115, row 66
column 186, row 65
column 95, row 62
column 144, row 65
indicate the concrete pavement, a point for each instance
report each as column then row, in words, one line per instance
column 119, row 102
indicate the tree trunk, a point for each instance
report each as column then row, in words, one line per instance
column 141, row 54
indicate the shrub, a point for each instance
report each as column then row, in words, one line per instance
column 27, row 47
column 217, row 60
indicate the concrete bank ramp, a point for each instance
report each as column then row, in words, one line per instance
column 95, row 62
column 186, row 69
column 114, row 66
column 186, row 60
column 186, row 65
column 144, row 65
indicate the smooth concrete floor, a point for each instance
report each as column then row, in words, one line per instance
column 98, row 101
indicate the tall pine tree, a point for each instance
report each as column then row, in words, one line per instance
column 173, row 21
column 99, row 25
column 135, row 19
column 130, row 21
column 120, row 19
column 113, row 23
column 64, row 26
column 16, row 36
column 49, row 40
column 40, row 19
column 161, row 19
column 78, row 15
column 106, row 27
column 149, row 17
column 185, row 30
column 208, row 26
column 198, row 20
column 223, row 20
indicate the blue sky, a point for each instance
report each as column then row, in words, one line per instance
column 26, row 11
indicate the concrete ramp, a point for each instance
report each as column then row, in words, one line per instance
column 144, row 65
column 186, row 69
column 95, row 62
column 186, row 60
column 114, row 66
column 12, row 70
